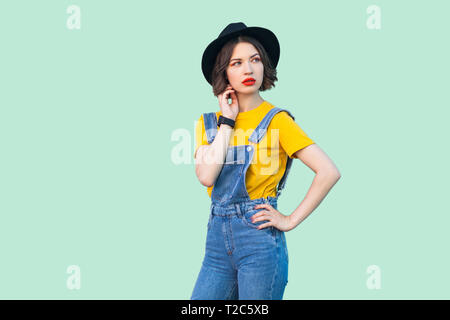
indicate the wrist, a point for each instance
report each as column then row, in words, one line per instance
column 293, row 221
column 229, row 117
column 224, row 120
column 224, row 125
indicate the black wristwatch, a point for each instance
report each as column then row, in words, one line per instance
column 225, row 120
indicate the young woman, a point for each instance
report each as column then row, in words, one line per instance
column 243, row 155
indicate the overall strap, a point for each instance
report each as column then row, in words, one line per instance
column 282, row 182
column 261, row 129
column 284, row 177
column 210, row 122
column 259, row 133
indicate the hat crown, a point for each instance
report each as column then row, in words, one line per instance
column 232, row 27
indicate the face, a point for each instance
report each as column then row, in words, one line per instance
column 245, row 62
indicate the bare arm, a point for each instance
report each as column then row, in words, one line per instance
column 326, row 177
column 209, row 158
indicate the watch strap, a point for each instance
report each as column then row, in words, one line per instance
column 225, row 120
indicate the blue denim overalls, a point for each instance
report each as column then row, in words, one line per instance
column 241, row 261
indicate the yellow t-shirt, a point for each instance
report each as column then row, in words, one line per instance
column 270, row 155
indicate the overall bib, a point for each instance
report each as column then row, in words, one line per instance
column 241, row 261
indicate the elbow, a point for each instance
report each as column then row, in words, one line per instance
column 206, row 183
column 335, row 174
column 205, row 180
column 331, row 173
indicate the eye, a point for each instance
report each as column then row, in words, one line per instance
column 239, row 62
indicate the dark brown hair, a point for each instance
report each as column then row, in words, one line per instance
column 219, row 76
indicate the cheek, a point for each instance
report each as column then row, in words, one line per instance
column 233, row 77
column 260, row 70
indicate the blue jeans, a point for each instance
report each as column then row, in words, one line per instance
column 241, row 261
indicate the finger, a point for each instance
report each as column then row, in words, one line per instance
column 233, row 99
column 255, row 216
column 231, row 91
column 225, row 92
column 265, row 225
column 262, row 205
column 226, row 96
column 260, row 217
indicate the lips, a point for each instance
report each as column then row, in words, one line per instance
column 249, row 81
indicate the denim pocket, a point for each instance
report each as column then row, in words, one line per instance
column 247, row 218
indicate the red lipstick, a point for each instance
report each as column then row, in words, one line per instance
column 249, row 81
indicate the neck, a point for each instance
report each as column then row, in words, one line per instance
column 249, row 102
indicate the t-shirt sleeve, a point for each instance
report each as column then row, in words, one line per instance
column 292, row 137
column 200, row 134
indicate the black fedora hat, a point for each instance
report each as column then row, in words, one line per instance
column 266, row 37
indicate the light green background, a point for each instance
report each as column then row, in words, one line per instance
column 86, row 119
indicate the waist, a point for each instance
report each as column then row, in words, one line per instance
column 242, row 206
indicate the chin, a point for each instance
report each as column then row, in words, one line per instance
column 251, row 88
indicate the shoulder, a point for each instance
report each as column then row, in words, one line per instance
column 200, row 120
column 199, row 125
column 282, row 118
column 218, row 113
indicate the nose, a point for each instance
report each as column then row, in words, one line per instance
column 248, row 68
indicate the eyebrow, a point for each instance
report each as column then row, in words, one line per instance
column 255, row 54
